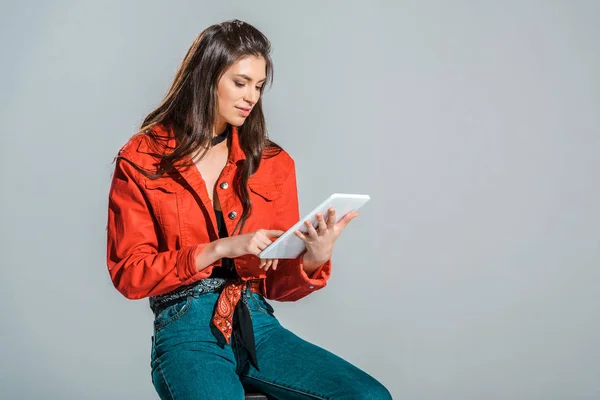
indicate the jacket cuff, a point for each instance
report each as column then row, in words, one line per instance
column 318, row 278
column 186, row 264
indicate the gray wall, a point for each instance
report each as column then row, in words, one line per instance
column 475, row 127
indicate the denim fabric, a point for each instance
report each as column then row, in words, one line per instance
column 190, row 359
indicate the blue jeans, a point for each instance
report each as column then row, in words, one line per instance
column 191, row 361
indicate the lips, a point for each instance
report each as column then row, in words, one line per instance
column 245, row 111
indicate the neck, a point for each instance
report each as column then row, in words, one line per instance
column 219, row 127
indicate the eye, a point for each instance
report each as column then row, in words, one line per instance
column 239, row 84
column 259, row 88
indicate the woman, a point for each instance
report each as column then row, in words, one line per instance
column 195, row 196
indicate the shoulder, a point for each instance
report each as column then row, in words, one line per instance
column 276, row 166
column 278, row 158
column 129, row 148
column 144, row 149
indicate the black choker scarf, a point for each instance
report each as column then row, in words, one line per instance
column 218, row 139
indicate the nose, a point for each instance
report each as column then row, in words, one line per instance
column 251, row 96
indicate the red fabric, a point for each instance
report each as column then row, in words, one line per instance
column 228, row 299
column 223, row 316
column 156, row 228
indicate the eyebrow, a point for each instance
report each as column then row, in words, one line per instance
column 246, row 77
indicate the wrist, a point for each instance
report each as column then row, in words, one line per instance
column 218, row 249
column 209, row 255
column 311, row 263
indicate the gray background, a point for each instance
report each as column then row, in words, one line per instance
column 475, row 127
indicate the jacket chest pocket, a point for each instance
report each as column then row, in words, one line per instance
column 262, row 197
column 165, row 196
column 265, row 191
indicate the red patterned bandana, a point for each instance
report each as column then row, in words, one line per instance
column 228, row 299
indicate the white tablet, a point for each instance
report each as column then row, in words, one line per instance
column 289, row 245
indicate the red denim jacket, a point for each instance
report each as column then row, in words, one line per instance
column 156, row 228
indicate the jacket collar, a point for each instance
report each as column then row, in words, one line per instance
column 235, row 151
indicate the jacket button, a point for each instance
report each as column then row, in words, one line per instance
column 224, row 185
column 232, row 215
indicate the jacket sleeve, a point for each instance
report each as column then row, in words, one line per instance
column 289, row 282
column 135, row 266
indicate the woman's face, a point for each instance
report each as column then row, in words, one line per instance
column 238, row 90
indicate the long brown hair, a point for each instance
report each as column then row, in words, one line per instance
column 189, row 108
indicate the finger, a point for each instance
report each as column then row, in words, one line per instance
column 300, row 235
column 331, row 218
column 347, row 218
column 255, row 249
column 275, row 262
column 273, row 233
column 268, row 264
column 263, row 262
column 321, row 223
column 261, row 242
column 265, row 242
column 312, row 233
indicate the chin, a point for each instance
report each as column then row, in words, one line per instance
column 237, row 121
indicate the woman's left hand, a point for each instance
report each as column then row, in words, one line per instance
column 319, row 242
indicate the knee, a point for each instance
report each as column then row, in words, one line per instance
column 367, row 389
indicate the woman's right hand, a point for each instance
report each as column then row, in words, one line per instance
column 248, row 243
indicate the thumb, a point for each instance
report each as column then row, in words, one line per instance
column 349, row 217
column 274, row 233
